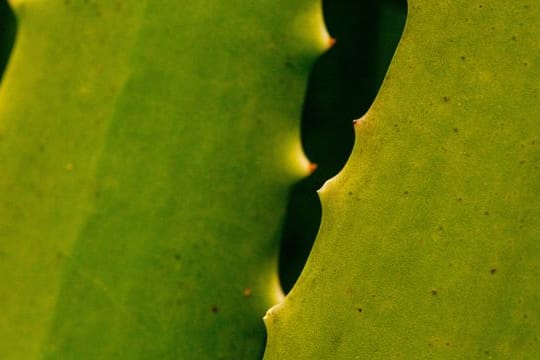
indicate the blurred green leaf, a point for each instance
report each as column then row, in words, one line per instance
column 146, row 153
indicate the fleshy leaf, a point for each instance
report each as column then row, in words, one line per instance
column 147, row 149
column 429, row 244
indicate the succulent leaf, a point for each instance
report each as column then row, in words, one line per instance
column 147, row 149
column 428, row 246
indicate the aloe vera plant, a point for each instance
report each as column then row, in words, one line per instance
column 146, row 152
column 428, row 246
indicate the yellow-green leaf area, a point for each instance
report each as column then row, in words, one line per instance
column 428, row 247
column 146, row 152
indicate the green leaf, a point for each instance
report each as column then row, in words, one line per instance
column 146, row 152
column 428, row 246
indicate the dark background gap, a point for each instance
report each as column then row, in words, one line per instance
column 7, row 34
column 342, row 86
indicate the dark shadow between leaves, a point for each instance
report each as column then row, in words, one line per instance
column 8, row 27
column 342, row 86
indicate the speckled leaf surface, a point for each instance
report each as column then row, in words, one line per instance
column 429, row 244
column 146, row 151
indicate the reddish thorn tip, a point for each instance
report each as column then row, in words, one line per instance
column 312, row 167
column 331, row 41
